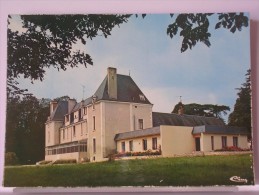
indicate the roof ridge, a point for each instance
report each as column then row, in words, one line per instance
column 185, row 115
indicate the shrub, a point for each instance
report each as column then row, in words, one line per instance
column 11, row 158
column 44, row 162
column 231, row 148
column 67, row 161
column 145, row 153
column 111, row 157
column 84, row 160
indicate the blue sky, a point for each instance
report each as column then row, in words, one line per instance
column 141, row 46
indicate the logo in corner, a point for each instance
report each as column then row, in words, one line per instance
column 238, row 179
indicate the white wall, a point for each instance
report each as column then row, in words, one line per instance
column 176, row 140
column 138, row 144
column 206, row 141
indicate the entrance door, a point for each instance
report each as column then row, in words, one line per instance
column 198, row 144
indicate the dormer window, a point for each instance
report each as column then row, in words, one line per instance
column 71, row 117
column 67, row 118
column 142, row 97
column 93, row 101
column 85, row 110
column 80, row 114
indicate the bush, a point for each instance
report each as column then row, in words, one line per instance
column 145, row 153
column 231, row 148
column 44, row 162
column 84, row 160
column 11, row 158
column 67, row 161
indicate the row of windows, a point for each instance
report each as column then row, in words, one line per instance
column 71, row 149
column 65, row 131
column 144, row 145
column 70, row 118
column 224, row 142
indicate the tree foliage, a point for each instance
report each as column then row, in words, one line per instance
column 241, row 115
column 208, row 110
column 25, row 128
column 48, row 42
column 194, row 28
column 49, row 39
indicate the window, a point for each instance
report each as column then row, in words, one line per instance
column 93, row 101
column 67, row 118
column 144, row 144
column 212, row 142
column 94, row 145
column 93, row 122
column 235, row 141
column 154, row 143
column 123, row 146
column 131, row 145
column 74, row 131
column 140, row 123
column 80, row 114
column 71, row 118
column 142, row 97
column 83, row 148
column 63, row 133
column 85, row 110
column 224, row 141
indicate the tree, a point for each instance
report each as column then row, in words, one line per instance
column 208, row 110
column 195, row 27
column 25, row 128
column 241, row 115
column 48, row 41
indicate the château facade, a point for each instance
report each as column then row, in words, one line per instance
column 118, row 117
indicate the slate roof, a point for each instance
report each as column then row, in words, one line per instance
column 215, row 129
column 183, row 120
column 60, row 111
column 137, row 133
column 127, row 90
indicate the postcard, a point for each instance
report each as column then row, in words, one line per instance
column 97, row 100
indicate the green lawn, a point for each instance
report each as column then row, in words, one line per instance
column 191, row 171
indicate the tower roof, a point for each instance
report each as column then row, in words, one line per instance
column 128, row 91
column 59, row 111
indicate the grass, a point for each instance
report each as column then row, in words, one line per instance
column 185, row 171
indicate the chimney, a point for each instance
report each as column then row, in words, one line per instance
column 112, row 82
column 71, row 104
column 53, row 105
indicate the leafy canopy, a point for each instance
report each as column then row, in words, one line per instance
column 194, row 28
column 208, row 110
column 49, row 39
